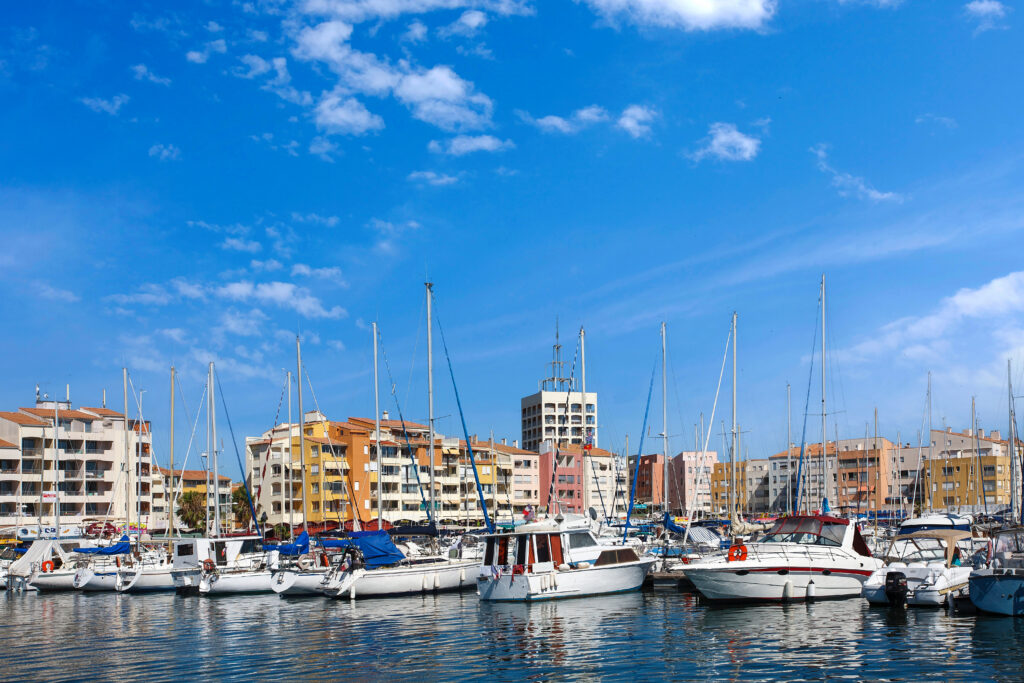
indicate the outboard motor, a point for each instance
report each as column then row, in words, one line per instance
column 896, row 588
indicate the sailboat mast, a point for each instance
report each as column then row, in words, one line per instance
column 430, row 399
column 302, row 433
column 1011, row 442
column 376, row 435
column 824, row 432
column 583, row 395
column 927, row 491
column 290, row 477
column 664, row 418
column 212, row 408
column 56, row 465
column 789, row 451
column 127, row 462
column 977, row 453
column 170, row 448
column 732, row 450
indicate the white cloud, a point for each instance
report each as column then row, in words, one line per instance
column 466, row 25
column 944, row 121
column 690, row 15
column 142, row 73
column 257, row 66
column 388, row 233
column 357, row 11
column 188, row 290
column 416, row 32
column 466, row 144
column 174, row 333
column 238, row 244
column 258, row 36
column 322, row 147
column 339, row 114
column 579, row 119
column 336, row 345
column 214, row 27
column 165, row 152
column 987, row 14
column 636, row 120
column 148, row 294
column 440, row 97
column 329, row 273
column 269, row 265
column 250, row 324
column 111, row 106
column 316, row 219
column 850, row 185
column 55, row 294
column 432, row 178
column 282, row 294
column 200, row 56
column 291, row 147
column 726, row 143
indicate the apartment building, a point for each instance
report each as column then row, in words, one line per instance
column 185, row 481
column 752, row 486
column 53, row 454
column 584, row 479
column 967, row 472
column 559, row 412
column 690, row 481
column 650, row 481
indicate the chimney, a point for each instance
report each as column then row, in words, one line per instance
column 67, row 392
column 384, row 415
column 104, row 398
column 995, row 434
column 515, row 443
column 504, row 441
column 981, row 433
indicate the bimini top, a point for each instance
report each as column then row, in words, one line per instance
column 946, row 540
column 816, row 530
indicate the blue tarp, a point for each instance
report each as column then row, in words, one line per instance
column 123, row 547
column 672, row 526
column 299, row 547
column 336, row 543
column 377, row 547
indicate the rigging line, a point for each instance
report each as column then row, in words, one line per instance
column 702, row 465
column 238, row 457
column 640, row 449
column 408, row 445
column 415, row 348
column 801, row 489
column 920, row 454
column 176, row 492
column 462, row 416
column 325, row 425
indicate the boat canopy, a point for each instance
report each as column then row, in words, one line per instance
column 816, row 530
column 945, row 542
column 377, row 548
column 299, row 547
column 122, row 547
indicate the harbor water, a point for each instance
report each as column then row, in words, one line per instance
column 638, row 636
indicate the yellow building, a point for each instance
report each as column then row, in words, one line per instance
column 187, row 481
column 957, row 482
column 721, row 478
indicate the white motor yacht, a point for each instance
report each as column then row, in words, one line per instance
column 550, row 559
column 802, row 557
column 932, row 565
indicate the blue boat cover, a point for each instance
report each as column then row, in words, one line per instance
column 122, row 547
column 336, row 543
column 299, row 547
column 671, row 525
column 377, row 547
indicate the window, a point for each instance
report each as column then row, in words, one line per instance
column 314, row 469
column 580, row 540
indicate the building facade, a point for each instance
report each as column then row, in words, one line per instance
column 79, row 463
column 690, row 484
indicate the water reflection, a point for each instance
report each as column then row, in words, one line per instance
column 637, row 635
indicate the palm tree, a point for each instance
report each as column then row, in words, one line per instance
column 240, row 507
column 192, row 510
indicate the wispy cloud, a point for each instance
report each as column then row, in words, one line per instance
column 986, row 14
column 142, row 73
column 726, row 143
column 388, row 233
column 568, row 125
column 936, row 120
column 165, row 152
column 52, row 293
column 283, row 294
column 432, row 178
column 239, row 244
column 849, row 185
column 467, row 144
column 689, row 15
column 218, row 46
column 636, row 120
column 100, row 105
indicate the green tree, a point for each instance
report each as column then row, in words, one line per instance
column 192, row 510
column 240, row 507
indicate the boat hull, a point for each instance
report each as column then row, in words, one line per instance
column 88, row 579
column 290, row 583
column 998, row 593
column 925, row 586
column 776, row 583
column 53, row 581
column 560, row 585
column 404, row 580
column 230, row 583
column 145, row 580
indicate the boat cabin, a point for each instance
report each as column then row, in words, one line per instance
column 545, row 548
column 946, row 547
column 192, row 552
column 818, row 530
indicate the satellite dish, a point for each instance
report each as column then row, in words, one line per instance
column 593, row 513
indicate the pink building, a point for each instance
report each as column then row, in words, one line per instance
column 569, row 478
column 690, row 480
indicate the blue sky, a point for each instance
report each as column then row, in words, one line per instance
column 200, row 182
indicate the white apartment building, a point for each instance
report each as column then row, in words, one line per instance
column 568, row 416
column 78, row 464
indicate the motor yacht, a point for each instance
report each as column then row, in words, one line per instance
column 933, row 564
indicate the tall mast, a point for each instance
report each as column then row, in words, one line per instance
column 289, row 479
column 824, row 432
column 789, row 451
column 878, row 465
column 583, row 404
column 977, row 453
column 376, row 435
column 1011, row 442
column 211, row 406
column 732, row 450
column 927, row 490
column 56, row 465
column 430, row 399
column 664, row 419
column 127, row 462
column 170, row 514
column 302, row 433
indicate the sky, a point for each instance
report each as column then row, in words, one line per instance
column 204, row 181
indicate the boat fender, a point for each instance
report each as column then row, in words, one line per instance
column 583, row 565
column 810, row 591
column 423, row 584
column 437, row 582
column 324, row 562
column 554, row 581
column 117, row 561
column 47, row 566
column 209, row 565
column 787, row 590
column 564, row 567
column 462, row 575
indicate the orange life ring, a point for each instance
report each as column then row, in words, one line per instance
column 208, row 565
column 47, row 566
column 737, row 553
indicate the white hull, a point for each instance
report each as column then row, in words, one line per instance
column 227, row 583
column 60, row 580
column 783, row 578
column 186, row 580
column 403, row 580
column 145, row 580
column 292, row 582
column 998, row 591
column 571, row 583
column 926, row 586
column 88, row 579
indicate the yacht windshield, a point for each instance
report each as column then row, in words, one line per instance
column 924, row 550
column 1010, row 541
column 807, row 531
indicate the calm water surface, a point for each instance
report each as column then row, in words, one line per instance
column 639, row 636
